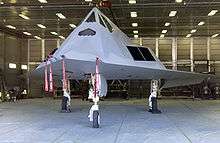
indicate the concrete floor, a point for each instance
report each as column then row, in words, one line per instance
column 182, row 121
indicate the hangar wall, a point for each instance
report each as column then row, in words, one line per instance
column 38, row 50
column 12, row 50
column 199, row 54
column 188, row 54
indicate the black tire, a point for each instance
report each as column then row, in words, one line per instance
column 95, row 119
column 64, row 103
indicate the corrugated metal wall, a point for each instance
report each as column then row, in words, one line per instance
column 16, row 51
column 11, row 51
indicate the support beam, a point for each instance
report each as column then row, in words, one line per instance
column 42, row 49
column 157, row 48
column 28, row 68
column 58, row 43
column 141, row 41
column 208, row 54
column 174, row 53
column 191, row 55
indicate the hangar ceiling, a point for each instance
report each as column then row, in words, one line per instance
column 151, row 17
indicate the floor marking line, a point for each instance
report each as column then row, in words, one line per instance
column 173, row 122
column 56, row 139
column 116, row 138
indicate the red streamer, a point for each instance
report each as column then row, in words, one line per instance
column 96, row 76
column 51, row 79
column 45, row 79
column 64, row 75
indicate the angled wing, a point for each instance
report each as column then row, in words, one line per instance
column 78, row 69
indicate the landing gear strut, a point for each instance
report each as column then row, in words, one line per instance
column 98, row 89
column 94, row 115
column 153, row 98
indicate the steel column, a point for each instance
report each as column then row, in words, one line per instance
column 174, row 53
column 191, row 55
column 157, row 48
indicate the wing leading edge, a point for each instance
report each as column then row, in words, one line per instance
column 77, row 69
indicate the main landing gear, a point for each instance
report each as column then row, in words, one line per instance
column 153, row 108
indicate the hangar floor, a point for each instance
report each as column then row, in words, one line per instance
column 182, row 121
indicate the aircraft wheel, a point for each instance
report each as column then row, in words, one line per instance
column 96, row 119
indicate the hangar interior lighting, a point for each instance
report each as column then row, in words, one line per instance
column 60, row 15
column 179, row 1
column 213, row 12
column 42, row 1
column 12, row 65
column 37, row 37
column 62, row 37
column 136, row 36
column 193, row 31
column 72, row 25
column 134, row 24
column 10, row 26
column 27, row 33
column 167, row 24
column 135, row 31
column 133, row 14
column 24, row 67
column 88, row 0
column 162, row 36
column 172, row 13
column 132, row 2
column 188, row 35
column 164, row 31
column 201, row 23
column 24, row 16
column 54, row 33
column 41, row 26
column 215, row 35
column 1, row 2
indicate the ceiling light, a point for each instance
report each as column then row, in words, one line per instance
column 193, row 31
column 42, row 1
column 60, row 15
column 164, row 31
column 135, row 31
column 62, row 37
column 24, row 67
column 215, row 35
column 24, row 16
column 135, row 36
column 132, row 1
column 72, row 25
column 167, row 24
column 188, row 35
column 88, row 0
column 37, row 37
column 213, row 12
column 201, row 23
column 133, row 14
column 41, row 26
column 12, row 66
column 172, row 13
column 162, row 36
column 134, row 24
column 1, row 2
column 27, row 33
column 179, row 1
column 10, row 26
column 54, row 33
